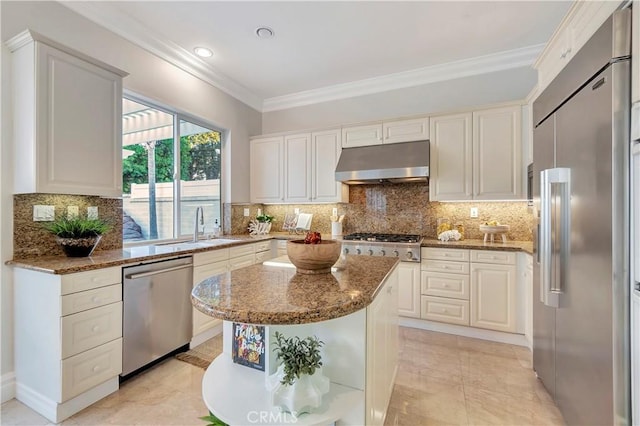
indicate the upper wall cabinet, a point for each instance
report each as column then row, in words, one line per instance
column 297, row 168
column 476, row 156
column 67, row 120
column 580, row 23
column 267, row 170
column 387, row 132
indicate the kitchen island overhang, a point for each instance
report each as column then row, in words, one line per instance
column 353, row 310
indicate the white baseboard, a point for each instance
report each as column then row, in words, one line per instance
column 8, row 387
column 55, row 412
column 460, row 330
column 199, row 339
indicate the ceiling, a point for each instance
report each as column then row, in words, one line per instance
column 331, row 46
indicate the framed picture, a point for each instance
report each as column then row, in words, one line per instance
column 248, row 345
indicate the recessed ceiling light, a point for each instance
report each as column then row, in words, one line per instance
column 203, row 52
column 264, row 32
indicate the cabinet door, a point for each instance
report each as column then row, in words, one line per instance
column 297, row 177
column 493, row 297
column 409, row 290
column 451, row 164
column 406, row 130
column 326, row 147
column 267, row 170
column 377, row 361
column 78, row 126
column 361, row 135
column 496, row 154
column 203, row 322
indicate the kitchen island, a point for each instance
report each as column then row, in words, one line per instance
column 353, row 310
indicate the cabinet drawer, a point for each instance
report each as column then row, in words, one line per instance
column 441, row 309
column 262, row 246
column 445, row 285
column 84, row 300
column 492, row 256
column 282, row 244
column 88, row 280
column 263, row 256
column 90, row 368
column 445, row 254
column 242, row 261
column 444, row 266
column 242, row 250
column 210, row 256
column 88, row 329
column 203, row 272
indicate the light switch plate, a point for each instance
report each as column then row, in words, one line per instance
column 296, row 211
column 72, row 212
column 92, row 212
column 43, row 213
column 474, row 212
column 246, row 212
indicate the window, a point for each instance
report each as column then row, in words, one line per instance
column 168, row 171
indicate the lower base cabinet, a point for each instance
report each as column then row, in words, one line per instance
column 409, row 289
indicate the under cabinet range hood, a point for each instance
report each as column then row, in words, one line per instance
column 396, row 162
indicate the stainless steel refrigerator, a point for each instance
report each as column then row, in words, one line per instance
column 581, row 266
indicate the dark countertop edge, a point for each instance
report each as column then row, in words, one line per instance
column 94, row 262
column 518, row 246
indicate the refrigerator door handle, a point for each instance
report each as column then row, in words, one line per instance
column 550, row 282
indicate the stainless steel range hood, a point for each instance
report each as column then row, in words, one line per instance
column 396, row 162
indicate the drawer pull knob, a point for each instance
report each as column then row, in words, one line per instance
column 446, row 286
column 95, row 328
column 494, row 257
column 445, row 267
column 95, row 299
column 445, row 311
column 96, row 369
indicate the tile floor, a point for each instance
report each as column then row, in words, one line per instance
column 442, row 379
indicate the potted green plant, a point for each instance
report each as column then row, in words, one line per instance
column 77, row 236
column 298, row 385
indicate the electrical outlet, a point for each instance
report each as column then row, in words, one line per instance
column 92, row 212
column 246, row 212
column 72, row 212
column 334, row 212
column 474, row 212
column 43, row 213
column 296, row 211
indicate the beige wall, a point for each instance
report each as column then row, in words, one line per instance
column 150, row 77
column 461, row 93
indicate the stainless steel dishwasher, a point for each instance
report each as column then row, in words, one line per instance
column 157, row 311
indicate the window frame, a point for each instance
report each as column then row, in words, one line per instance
column 177, row 117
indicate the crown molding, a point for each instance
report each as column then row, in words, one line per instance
column 516, row 58
column 137, row 33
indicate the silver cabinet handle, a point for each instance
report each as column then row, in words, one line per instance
column 161, row 271
column 550, row 276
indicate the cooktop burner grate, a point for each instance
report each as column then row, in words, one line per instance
column 386, row 238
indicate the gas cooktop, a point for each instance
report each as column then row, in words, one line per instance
column 383, row 238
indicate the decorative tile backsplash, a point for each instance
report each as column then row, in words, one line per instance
column 30, row 239
column 394, row 208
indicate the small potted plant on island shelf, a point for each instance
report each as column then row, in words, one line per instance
column 77, row 236
column 261, row 225
column 298, row 385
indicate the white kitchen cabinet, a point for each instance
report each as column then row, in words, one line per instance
column 409, row 289
column 451, row 150
column 416, row 129
column 581, row 21
column 266, row 162
column 382, row 350
column 476, row 156
column 204, row 268
column 325, row 152
column 493, row 295
column 370, row 134
column 297, row 177
column 297, row 168
column 497, row 163
column 67, row 120
column 69, row 349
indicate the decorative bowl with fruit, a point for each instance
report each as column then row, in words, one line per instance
column 313, row 255
column 492, row 228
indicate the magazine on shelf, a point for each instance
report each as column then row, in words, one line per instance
column 248, row 345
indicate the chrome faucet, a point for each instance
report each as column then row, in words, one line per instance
column 196, row 231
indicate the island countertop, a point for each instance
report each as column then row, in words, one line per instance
column 270, row 295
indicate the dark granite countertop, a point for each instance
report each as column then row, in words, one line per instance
column 525, row 246
column 261, row 294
